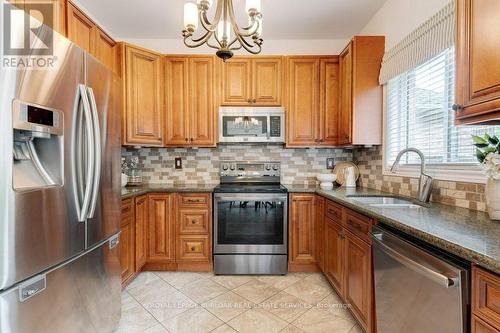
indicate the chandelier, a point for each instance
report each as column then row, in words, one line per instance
column 218, row 33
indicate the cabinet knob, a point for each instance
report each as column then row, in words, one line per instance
column 187, row 139
column 249, row 100
column 191, row 139
column 193, row 248
column 193, row 221
column 254, row 101
column 457, row 107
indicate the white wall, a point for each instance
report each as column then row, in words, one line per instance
column 270, row 47
column 398, row 18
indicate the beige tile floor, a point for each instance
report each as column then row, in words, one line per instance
column 178, row 302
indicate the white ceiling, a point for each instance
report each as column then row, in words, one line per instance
column 283, row 19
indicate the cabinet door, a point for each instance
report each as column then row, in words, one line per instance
column 358, row 272
column 478, row 60
column 303, row 101
column 105, row 50
column 144, row 115
column 202, row 104
column 267, row 81
column 334, row 254
column 329, row 102
column 127, row 249
column 177, row 88
column 480, row 326
column 161, row 228
column 193, row 249
column 319, row 227
column 237, row 82
column 302, row 214
column 141, row 223
column 345, row 115
column 81, row 30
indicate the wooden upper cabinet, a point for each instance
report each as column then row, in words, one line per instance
column 360, row 118
column 81, row 29
column 143, row 88
column 161, row 228
column 237, row 81
column 303, row 101
column 177, row 101
column 302, row 226
column 57, row 11
column 141, row 236
column 345, row 115
column 478, row 62
column 105, row 50
column 190, row 98
column 267, row 81
column 202, row 101
column 329, row 102
column 255, row 81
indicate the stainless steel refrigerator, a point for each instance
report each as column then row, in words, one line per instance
column 59, row 192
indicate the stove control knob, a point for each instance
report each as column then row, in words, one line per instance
column 224, row 167
column 275, row 167
column 268, row 167
column 232, row 167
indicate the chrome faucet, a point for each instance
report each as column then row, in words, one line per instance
column 425, row 181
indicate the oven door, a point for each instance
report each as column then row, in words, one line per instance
column 250, row 223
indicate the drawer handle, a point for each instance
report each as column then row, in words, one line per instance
column 355, row 225
column 193, row 248
column 126, row 209
column 341, row 235
column 195, row 200
column 193, row 221
column 332, row 211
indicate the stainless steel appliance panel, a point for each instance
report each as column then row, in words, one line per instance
column 416, row 291
column 250, row 264
column 104, row 94
column 39, row 226
column 250, row 223
column 80, row 296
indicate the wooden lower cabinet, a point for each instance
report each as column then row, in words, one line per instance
column 127, row 242
column 334, row 254
column 161, row 228
column 193, row 249
column 358, row 278
column 302, row 235
column 141, row 225
column 485, row 301
column 319, row 227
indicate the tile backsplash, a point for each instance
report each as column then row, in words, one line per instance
column 369, row 160
column 201, row 166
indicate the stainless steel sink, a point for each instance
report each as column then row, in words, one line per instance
column 384, row 202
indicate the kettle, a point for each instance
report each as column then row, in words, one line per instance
column 350, row 177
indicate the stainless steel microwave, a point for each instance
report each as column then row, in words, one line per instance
column 252, row 124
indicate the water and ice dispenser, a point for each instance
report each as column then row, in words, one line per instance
column 37, row 146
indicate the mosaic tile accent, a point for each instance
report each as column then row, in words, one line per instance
column 201, row 166
column 369, row 160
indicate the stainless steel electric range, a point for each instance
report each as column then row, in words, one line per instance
column 250, row 219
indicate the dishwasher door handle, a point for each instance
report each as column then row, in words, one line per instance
column 428, row 272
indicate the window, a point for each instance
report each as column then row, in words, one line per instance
column 419, row 114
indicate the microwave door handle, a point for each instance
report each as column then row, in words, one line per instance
column 97, row 153
column 90, row 156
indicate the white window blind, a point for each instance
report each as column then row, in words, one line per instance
column 419, row 115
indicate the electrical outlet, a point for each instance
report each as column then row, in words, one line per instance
column 330, row 163
column 178, row 163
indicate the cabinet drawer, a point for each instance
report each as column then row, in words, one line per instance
column 486, row 296
column 193, row 221
column 193, row 248
column 194, row 200
column 479, row 326
column 127, row 208
column 333, row 211
column 359, row 225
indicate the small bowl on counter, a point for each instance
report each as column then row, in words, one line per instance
column 326, row 180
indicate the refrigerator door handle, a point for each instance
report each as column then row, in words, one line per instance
column 98, row 152
column 80, row 189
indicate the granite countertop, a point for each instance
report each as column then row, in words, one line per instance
column 466, row 233
column 133, row 191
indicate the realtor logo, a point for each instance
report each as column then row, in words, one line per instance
column 27, row 32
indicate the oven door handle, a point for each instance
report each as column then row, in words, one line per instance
column 250, row 197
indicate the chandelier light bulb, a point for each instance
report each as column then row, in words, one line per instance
column 253, row 6
column 190, row 16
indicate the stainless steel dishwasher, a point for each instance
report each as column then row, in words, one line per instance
column 418, row 288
